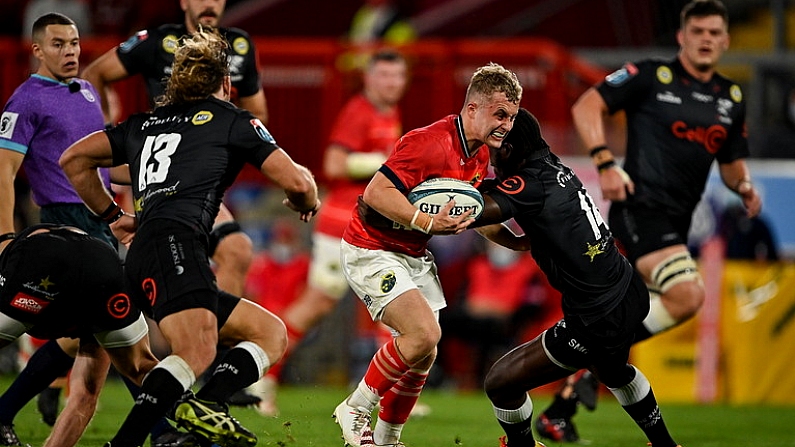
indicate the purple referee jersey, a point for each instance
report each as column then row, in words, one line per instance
column 41, row 119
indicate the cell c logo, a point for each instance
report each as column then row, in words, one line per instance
column 511, row 185
column 712, row 138
column 119, row 306
column 150, row 289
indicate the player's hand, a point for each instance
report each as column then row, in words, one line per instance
column 304, row 215
column 616, row 184
column 751, row 199
column 124, row 228
column 444, row 223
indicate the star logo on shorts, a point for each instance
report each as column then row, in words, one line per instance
column 388, row 282
column 46, row 283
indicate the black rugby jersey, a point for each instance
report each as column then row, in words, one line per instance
column 182, row 158
column 570, row 241
column 676, row 127
column 151, row 53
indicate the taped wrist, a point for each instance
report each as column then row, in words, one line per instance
column 421, row 222
column 362, row 165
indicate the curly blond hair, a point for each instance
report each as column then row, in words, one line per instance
column 200, row 64
column 493, row 78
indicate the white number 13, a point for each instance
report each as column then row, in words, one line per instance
column 156, row 158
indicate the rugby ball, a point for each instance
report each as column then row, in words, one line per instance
column 432, row 195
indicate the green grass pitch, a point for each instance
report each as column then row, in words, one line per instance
column 456, row 419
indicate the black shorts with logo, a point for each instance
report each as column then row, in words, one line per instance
column 168, row 271
column 640, row 230
column 575, row 345
column 64, row 284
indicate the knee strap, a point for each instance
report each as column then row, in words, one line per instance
column 677, row 268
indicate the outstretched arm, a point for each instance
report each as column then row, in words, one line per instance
column 85, row 383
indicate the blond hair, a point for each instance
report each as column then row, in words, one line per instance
column 494, row 78
column 200, row 64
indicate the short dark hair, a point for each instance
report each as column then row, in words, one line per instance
column 385, row 55
column 52, row 18
column 703, row 8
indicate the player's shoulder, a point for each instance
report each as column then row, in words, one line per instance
column 239, row 41
column 730, row 87
column 441, row 132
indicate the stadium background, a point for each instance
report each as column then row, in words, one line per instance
column 558, row 48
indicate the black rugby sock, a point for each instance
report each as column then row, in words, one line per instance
column 519, row 434
column 45, row 365
column 646, row 413
column 158, row 394
column 236, row 370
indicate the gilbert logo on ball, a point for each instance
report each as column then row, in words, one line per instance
column 432, row 195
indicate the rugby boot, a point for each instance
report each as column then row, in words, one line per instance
column 213, row 421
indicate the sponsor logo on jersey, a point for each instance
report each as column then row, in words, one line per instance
column 563, row 177
column 388, row 282
column 2, row 280
column 236, row 67
column 119, row 306
column 736, row 93
column 664, row 75
column 511, row 185
column 133, row 41
column 725, row 107
column 262, row 131
column 622, row 75
column 7, row 124
column 154, row 121
column 140, row 202
column 202, row 117
column 700, row 97
column 170, row 44
column 241, row 46
column 149, row 287
column 711, row 138
column 27, row 303
column 669, row 98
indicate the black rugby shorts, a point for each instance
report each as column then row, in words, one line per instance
column 168, row 269
column 641, row 230
column 606, row 341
